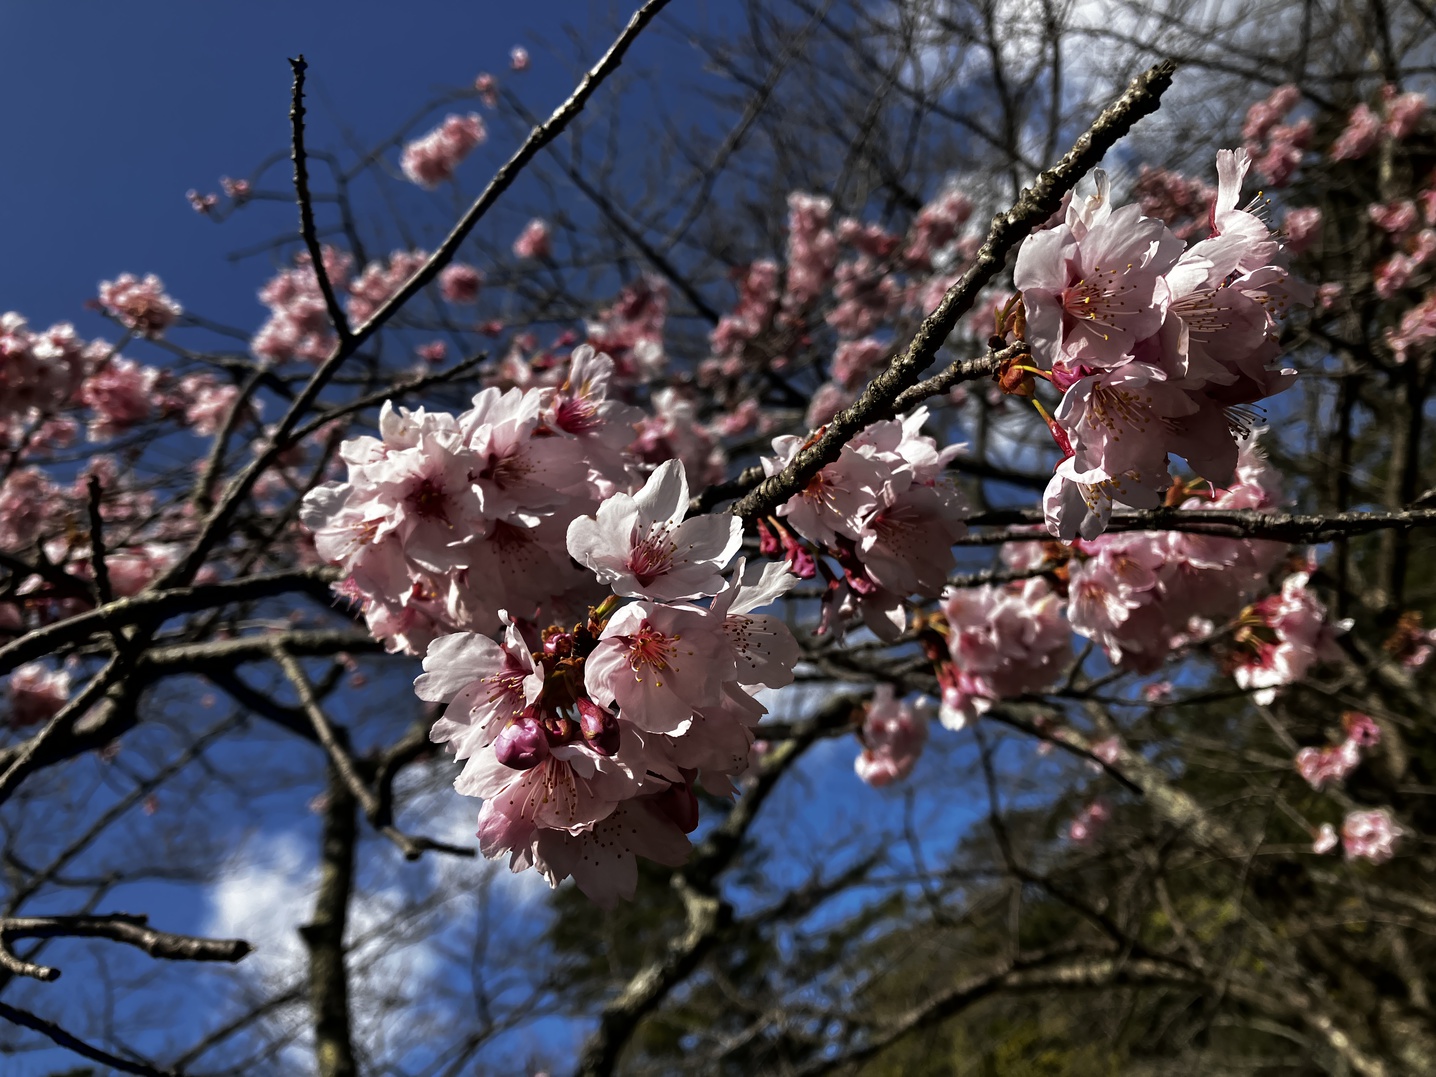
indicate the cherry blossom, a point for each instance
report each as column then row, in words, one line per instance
column 35, row 693
column 1091, row 299
column 431, row 160
column 459, row 283
column 1363, row 131
column 1284, row 636
column 893, row 734
column 1002, row 641
column 644, row 548
column 1370, row 835
column 534, row 241
column 140, row 305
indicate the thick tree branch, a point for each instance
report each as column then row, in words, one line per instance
column 324, row 935
column 1244, row 524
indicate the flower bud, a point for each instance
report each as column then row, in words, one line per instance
column 679, row 804
column 600, row 727
column 522, row 745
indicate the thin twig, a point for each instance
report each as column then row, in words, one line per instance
column 103, row 591
column 306, row 206
column 71, row 1042
column 119, row 927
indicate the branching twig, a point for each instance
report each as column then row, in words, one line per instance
column 118, row 927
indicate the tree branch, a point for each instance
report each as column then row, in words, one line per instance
column 1008, row 229
column 118, row 927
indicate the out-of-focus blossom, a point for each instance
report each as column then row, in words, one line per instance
column 140, row 305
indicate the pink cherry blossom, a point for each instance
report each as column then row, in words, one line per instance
column 1329, row 765
column 659, row 664
column 519, row 58
column 1371, row 835
column 460, row 283
column 936, row 225
column 1003, row 641
column 1404, row 112
column 644, row 548
column 202, row 204
column 758, row 296
column 206, row 402
column 379, row 281
column 812, row 250
column 1266, row 114
column 120, row 394
column 534, row 241
column 1363, row 131
column 764, row 650
column 892, row 736
column 1089, row 822
column 1303, row 228
column 298, row 325
column 37, row 370
column 1091, row 300
column 141, row 306
column 1301, row 637
column 431, row 160
column 855, row 360
column 485, row 685
column 36, row 693
column 1325, row 839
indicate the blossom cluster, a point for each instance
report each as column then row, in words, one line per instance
column 1141, row 594
column 1331, row 764
column 35, row 693
column 883, row 511
column 1158, row 350
column 1369, row 834
column 431, row 160
column 1282, row 637
column 444, row 521
column 587, row 743
column 1002, row 640
column 892, row 736
column 140, row 305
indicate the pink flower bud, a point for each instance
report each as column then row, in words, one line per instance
column 522, row 745
column 600, row 727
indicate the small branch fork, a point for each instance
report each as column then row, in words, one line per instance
column 375, row 805
column 1008, row 229
column 118, row 927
